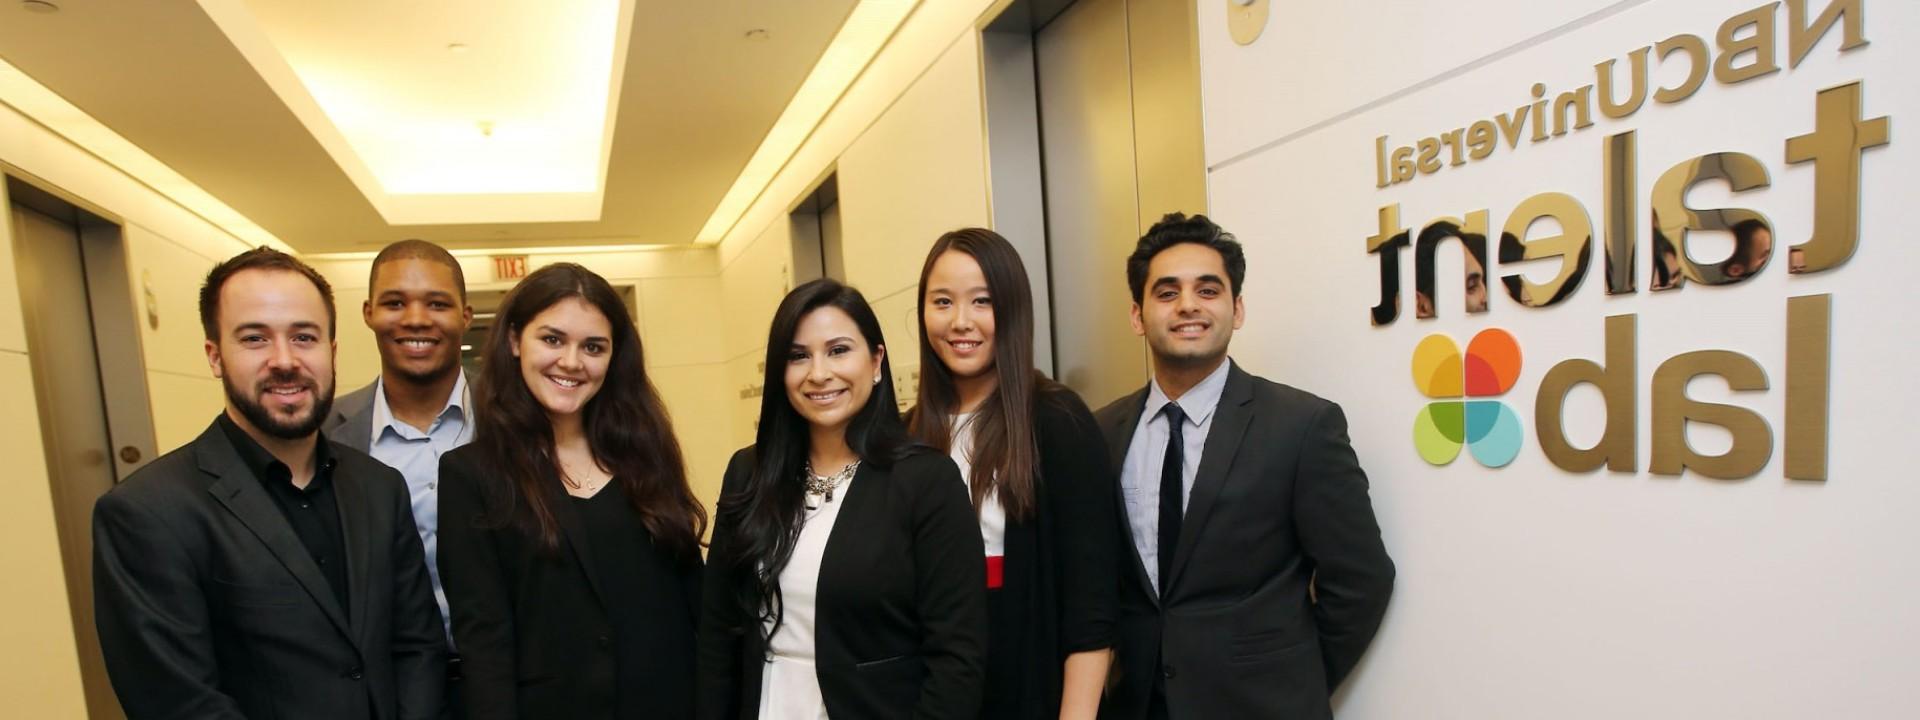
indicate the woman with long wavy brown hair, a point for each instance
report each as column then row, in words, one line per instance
column 569, row 539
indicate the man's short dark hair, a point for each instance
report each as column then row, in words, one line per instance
column 416, row 249
column 260, row 258
column 1174, row 229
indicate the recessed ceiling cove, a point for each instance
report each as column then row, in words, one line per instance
column 445, row 111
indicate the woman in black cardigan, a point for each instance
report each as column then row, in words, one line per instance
column 569, row 539
column 1038, row 473
column 844, row 577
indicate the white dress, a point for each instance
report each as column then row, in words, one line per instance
column 789, row 687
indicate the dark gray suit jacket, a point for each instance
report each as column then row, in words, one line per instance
column 209, row 606
column 1280, row 578
column 351, row 422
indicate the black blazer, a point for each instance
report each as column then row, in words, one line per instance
column 209, row 606
column 1280, row 578
column 1061, row 567
column 535, row 640
column 902, row 601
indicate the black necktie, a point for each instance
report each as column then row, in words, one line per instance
column 1172, row 493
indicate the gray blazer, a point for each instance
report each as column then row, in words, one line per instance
column 1280, row 579
column 351, row 422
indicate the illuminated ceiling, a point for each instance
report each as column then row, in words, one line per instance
column 444, row 110
column 341, row 126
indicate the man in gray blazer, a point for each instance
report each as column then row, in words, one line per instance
column 1257, row 572
column 418, row 408
column 262, row 571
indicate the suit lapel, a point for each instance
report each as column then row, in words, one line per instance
column 1230, row 420
column 1119, row 438
column 235, row 488
column 574, row 531
column 357, row 432
column 351, row 497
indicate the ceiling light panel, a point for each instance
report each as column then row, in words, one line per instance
column 865, row 32
column 428, row 102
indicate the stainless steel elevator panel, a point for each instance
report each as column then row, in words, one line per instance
column 1087, row 139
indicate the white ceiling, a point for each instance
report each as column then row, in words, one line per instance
column 691, row 99
column 447, row 97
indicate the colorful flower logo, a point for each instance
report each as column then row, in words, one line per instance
column 1488, row 427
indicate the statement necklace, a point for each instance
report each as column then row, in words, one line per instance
column 820, row 487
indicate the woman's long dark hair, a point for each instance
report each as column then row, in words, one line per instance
column 765, row 514
column 626, row 424
column 1005, row 454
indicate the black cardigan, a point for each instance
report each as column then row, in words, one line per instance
column 1060, row 590
column 534, row 637
column 901, row 604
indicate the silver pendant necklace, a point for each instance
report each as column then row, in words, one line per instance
column 820, row 487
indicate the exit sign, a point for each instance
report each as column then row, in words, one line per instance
column 509, row 267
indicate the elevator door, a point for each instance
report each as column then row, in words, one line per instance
column 73, row 421
column 1093, row 204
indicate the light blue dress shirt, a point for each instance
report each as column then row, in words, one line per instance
column 1140, row 472
column 416, row 455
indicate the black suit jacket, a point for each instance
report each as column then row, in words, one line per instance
column 1280, row 578
column 535, row 640
column 209, row 606
column 901, row 621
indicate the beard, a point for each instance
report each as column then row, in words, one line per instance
column 286, row 428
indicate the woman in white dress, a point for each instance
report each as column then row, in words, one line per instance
column 844, row 579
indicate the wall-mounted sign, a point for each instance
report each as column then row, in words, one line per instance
column 509, row 267
column 1832, row 147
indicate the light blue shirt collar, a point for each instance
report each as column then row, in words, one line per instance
column 1198, row 403
column 457, row 403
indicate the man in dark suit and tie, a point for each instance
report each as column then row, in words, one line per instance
column 262, row 571
column 1257, row 572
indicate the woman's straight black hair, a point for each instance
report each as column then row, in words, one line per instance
column 765, row 514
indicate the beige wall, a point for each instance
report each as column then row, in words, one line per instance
column 918, row 170
column 40, row 674
column 185, row 396
column 169, row 250
column 752, row 281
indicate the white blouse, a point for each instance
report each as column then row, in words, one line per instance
column 789, row 688
column 993, row 516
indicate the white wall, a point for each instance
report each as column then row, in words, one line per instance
column 1526, row 591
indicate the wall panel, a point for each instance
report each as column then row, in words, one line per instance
column 1529, row 591
column 41, row 670
column 918, row 172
